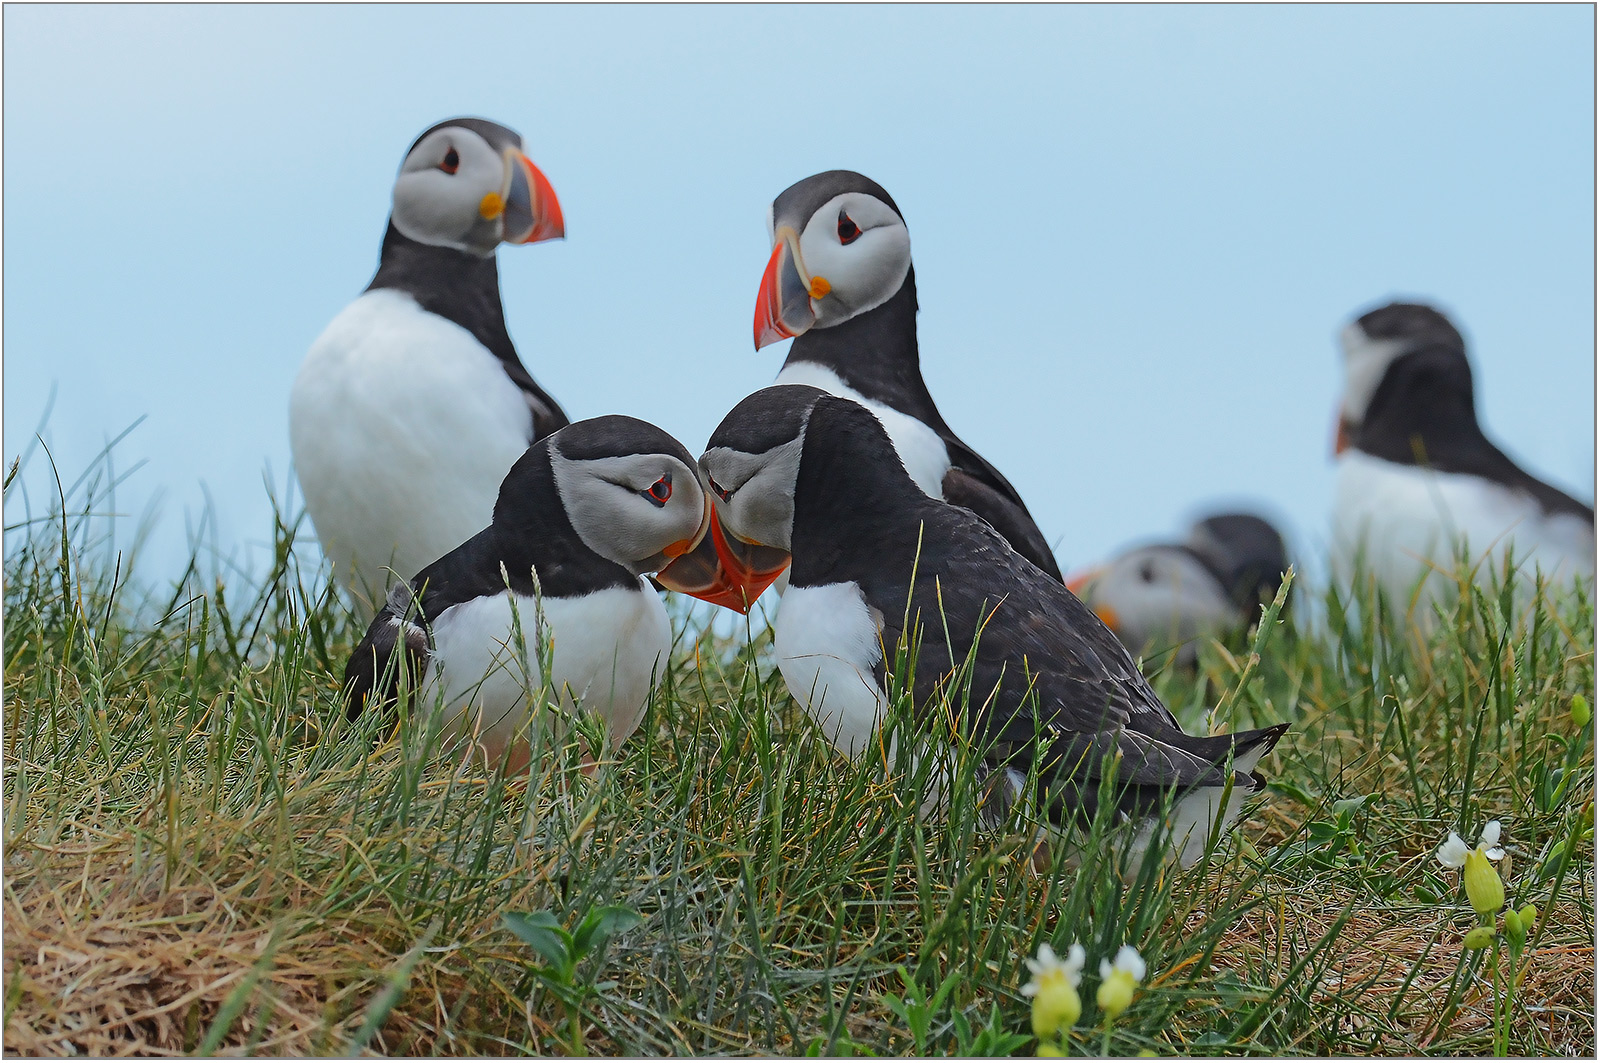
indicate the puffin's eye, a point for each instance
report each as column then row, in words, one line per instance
column 717, row 488
column 1147, row 572
column 451, row 163
column 659, row 491
column 848, row 230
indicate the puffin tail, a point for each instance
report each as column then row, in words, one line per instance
column 1250, row 746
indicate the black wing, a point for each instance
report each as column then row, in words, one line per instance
column 548, row 416
column 1037, row 645
column 972, row 483
column 373, row 674
column 1423, row 413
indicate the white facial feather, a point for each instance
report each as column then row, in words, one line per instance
column 605, row 501
column 864, row 273
column 438, row 208
column 760, row 506
column 1365, row 362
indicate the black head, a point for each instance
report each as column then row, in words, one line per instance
column 1415, row 325
column 630, row 491
column 804, row 198
column 839, row 249
column 1246, row 553
column 465, row 184
column 1376, row 339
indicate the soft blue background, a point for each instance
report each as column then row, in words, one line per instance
column 1136, row 230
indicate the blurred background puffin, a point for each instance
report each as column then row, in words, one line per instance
column 1167, row 596
column 1418, row 480
column 412, row 405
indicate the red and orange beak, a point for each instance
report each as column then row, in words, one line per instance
column 725, row 571
column 532, row 211
column 783, row 306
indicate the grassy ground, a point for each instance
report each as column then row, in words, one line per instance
column 201, row 856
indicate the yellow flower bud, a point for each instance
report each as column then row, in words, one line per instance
column 1480, row 937
column 1055, row 1006
column 1050, row 1051
column 1581, row 714
column 1115, row 993
column 1484, row 888
column 1530, row 915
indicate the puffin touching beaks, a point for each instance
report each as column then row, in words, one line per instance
column 1417, row 478
column 840, row 281
column 1166, row 596
column 588, row 510
column 793, row 470
column 412, row 404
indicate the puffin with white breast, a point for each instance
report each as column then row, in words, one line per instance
column 1417, row 478
column 581, row 517
column 840, row 282
column 412, row 404
column 1166, row 596
column 796, row 471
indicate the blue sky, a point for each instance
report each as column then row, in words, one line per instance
column 1136, row 230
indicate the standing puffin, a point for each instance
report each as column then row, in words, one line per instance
column 412, row 404
column 1167, row 595
column 795, row 470
column 588, row 511
column 840, row 281
column 1417, row 478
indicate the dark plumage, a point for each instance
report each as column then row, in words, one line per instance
column 1423, row 413
column 1051, row 687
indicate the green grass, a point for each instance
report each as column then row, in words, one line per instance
column 201, row 854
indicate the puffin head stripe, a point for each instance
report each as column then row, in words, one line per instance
column 766, row 419
column 615, row 436
column 796, row 204
column 499, row 137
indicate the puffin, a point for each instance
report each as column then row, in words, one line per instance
column 839, row 281
column 412, row 404
column 580, row 519
column 874, row 559
column 1165, row 596
column 1417, row 480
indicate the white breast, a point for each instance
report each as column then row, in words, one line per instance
column 828, row 646
column 608, row 650
column 1406, row 517
column 923, row 453
column 402, row 426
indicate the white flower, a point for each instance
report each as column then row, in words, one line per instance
column 1049, row 965
column 1118, row 980
column 1453, row 853
column 1484, row 888
column 1054, row 989
column 1128, row 961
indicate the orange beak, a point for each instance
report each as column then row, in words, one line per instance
column 783, row 306
column 1079, row 583
column 1341, row 437
column 532, row 211
column 725, row 572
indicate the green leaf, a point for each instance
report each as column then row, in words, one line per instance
column 1345, row 810
column 541, row 932
column 600, row 925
